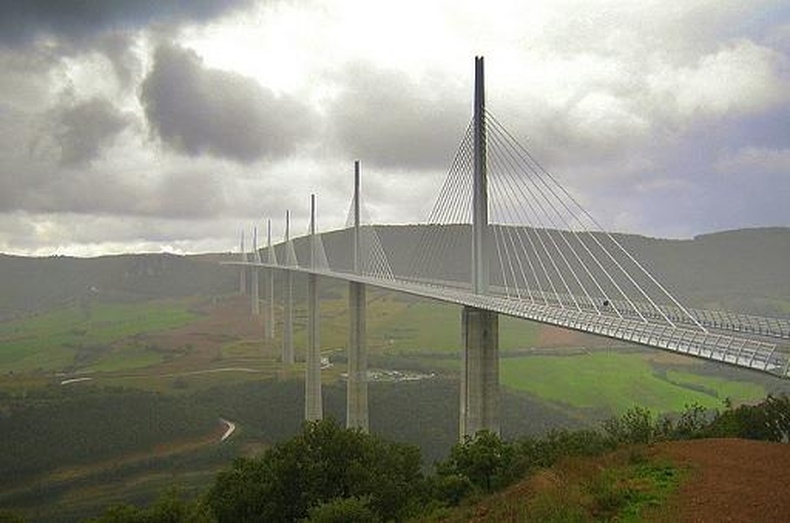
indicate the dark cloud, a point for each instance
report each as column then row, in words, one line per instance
column 77, row 21
column 117, row 47
column 197, row 110
column 385, row 119
column 84, row 129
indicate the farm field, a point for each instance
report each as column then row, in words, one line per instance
column 618, row 381
column 85, row 337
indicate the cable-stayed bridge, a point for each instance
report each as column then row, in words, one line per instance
column 504, row 237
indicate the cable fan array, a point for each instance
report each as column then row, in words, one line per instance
column 544, row 247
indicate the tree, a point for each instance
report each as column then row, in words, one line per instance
column 322, row 464
column 484, row 459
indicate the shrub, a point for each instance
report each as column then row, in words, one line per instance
column 344, row 510
column 485, row 460
column 768, row 420
column 635, row 426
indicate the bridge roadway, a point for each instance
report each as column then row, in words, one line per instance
column 713, row 345
column 718, row 320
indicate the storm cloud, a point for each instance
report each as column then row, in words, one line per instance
column 79, row 21
column 198, row 110
column 84, row 129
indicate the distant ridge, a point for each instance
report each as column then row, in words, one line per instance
column 31, row 285
column 745, row 270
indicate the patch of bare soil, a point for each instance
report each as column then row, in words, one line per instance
column 223, row 321
column 729, row 480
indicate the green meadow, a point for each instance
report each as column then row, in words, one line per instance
column 63, row 338
column 617, row 381
column 424, row 326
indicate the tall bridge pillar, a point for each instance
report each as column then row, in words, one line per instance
column 242, row 269
column 357, row 392
column 288, row 320
column 313, row 408
column 480, row 379
column 288, row 312
column 271, row 258
column 357, row 385
column 255, row 303
column 480, row 330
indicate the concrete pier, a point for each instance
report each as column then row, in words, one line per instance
column 313, row 408
column 480, row 379
column 288, row 308
column 357, row 392
column 255, row 299
column 288, row 320
column 242, row 269
column 271, row 258
column 357, row 385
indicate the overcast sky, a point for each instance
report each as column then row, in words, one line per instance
column 153, row 125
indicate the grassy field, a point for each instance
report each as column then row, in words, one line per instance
column 617, row 381
column 398, row 325
column 77, row 337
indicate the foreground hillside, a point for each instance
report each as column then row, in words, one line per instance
column 719, row 480
column 730, row 480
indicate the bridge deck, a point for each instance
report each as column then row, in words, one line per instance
column 716, row 346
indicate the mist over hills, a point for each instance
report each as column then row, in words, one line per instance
column 31, row 285
column 742, row 270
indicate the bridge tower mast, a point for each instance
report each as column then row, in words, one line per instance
column 357, row 385
column 313, row 409
column 480, row 373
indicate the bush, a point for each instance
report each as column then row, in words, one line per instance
column 769, row 420
column 344, row 510
column 635, row 426
column 170, row 507
column 692, row 423
column 485, row 460
column 450, row 488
